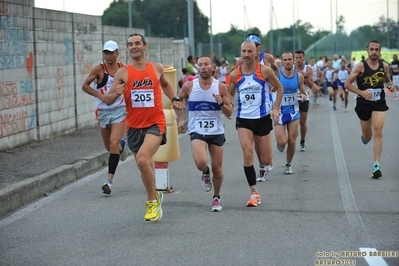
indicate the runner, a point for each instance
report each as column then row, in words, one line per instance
column 342, row 75
column 307, row 74
column 371, row 106
column 208, row 99
column 293, row 84
column 141, row 84
column 254, row 111
column 111, row 119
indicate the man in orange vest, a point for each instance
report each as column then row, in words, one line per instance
column 141, row 84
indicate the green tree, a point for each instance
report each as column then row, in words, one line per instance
column 162, row 18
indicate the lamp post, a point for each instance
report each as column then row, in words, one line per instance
column 271, row 26
column 388, row 40
column 190, row 26
column 293, row 26
column 397, row 22
column 130, row 13
column 210, row 26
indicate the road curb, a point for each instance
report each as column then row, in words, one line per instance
column 17, row 195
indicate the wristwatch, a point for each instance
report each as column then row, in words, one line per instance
column 176, row 99
column 305, row 93
column 221, row 104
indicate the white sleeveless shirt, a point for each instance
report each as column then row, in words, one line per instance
column 305, row 69
column 205, row 116
column 104, row 88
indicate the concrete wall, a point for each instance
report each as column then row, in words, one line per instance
column 45, row 56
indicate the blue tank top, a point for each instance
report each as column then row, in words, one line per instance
column 289, row 103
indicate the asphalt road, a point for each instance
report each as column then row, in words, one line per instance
column 329, row 206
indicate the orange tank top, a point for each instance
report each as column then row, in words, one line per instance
column 143, row 97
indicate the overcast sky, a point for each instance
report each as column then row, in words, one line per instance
column 255, row 13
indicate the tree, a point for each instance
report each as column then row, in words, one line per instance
column 163, row 18
column 340, row 24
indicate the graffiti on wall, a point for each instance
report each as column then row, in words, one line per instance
column 84, row 68
column 67, row 57
column 17, row 102
column 59, row 84
column 14, row 49
column 85, row 29
column 5, row 9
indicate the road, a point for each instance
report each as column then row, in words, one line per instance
column 328, row 207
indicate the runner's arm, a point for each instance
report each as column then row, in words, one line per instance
column 227, row 106
column 388, row 78
column 232, row 85
column 118, row 86
column 93, row 75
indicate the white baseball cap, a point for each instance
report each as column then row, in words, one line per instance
column 110, row 46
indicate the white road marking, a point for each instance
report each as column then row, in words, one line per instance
column 352, row 213
column 373, row 261
column 351, row 210
column 42, row 202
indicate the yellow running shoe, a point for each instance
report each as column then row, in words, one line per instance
column 154, row 209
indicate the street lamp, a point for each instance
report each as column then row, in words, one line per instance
column 210, row 26
column 190, row 26
column 130, row 13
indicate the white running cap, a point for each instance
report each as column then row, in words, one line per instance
column 110, row 46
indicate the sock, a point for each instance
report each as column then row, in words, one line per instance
column 302, row 141
column 207, row 171
column 113, row 162
column 216, row 196
column 253, row 189
column 152, row 200
column 376, row 164
column 250, row 174
column 287, row 164
column 109, row 181
column 261, row 167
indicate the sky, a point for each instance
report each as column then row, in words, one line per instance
column 246, row 14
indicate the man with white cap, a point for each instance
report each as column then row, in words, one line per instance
column 111, row 119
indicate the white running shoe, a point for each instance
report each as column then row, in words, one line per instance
column 288, row 169
column 216, row 207
column 206, row 180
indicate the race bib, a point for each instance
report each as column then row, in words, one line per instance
column 376, row 94
column 205, row 125
column 251, row 97
column 142, row 98
column 289, row 99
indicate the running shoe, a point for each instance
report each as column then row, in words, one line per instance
column 107, row 186
column 154, row 209
column 206, row 180
column 254, row 200
column 270, row 167
column 334, row 108
column 287, row 169
column 303, row 146
column 262, row 176
column 376, row 172
column 123, row 153
column 216, row 207
column 346, row 109
column 363, row 140
column 279, row 148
